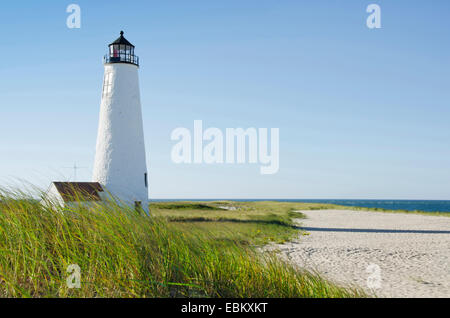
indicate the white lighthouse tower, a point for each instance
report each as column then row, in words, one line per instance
column 120, row 164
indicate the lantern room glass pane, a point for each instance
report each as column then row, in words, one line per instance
column 115, row 50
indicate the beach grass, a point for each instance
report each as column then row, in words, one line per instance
column 249, row 223
column 173, row 252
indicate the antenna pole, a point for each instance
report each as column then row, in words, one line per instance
column 75, row 170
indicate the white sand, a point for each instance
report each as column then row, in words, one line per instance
column 412, row 250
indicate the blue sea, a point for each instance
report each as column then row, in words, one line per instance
column 409, row 205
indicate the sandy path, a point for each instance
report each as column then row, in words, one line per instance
column 412, row 251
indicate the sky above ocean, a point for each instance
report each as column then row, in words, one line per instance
column 362, row 113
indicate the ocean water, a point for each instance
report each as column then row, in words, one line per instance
column 408, row 205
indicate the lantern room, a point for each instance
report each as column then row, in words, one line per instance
column 121, row 51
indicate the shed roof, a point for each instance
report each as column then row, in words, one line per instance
column 79, row 191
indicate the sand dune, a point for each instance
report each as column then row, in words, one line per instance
column 411, row 251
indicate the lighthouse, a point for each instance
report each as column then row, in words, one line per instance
column 120, row 162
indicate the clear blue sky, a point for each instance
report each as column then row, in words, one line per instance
column 362, row 113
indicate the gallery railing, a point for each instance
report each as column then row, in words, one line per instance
column 121, row 58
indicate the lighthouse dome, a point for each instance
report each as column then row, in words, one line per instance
column 121, row 51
